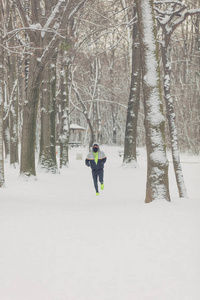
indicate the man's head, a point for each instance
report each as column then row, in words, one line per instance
column 95, row 148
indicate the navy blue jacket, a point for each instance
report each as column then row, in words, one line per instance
column 90, row 162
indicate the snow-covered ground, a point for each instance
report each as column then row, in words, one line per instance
column 59, row 241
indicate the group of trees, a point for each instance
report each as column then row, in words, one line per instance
column 107, row 65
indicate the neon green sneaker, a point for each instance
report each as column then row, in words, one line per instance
column 97, row 194
column 102, row 186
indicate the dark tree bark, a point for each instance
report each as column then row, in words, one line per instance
column 130, row 155
column 64, row 117
column 6, row 133
column 13, row 98
column 47, row 157
column 2, row 179
column 30, row 108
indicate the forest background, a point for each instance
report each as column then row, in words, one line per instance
column 83, row 62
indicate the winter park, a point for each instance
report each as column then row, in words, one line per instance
column 99, row 150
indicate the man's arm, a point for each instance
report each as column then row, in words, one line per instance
column 87, row 162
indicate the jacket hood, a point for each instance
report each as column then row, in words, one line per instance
column 95, row 144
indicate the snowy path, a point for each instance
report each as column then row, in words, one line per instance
column 58, row 241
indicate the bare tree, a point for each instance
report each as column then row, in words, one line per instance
column 185, row 77
column 43, row 24
column 169, row 18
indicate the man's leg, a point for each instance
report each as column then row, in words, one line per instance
column 101, row 178
column 94, row 175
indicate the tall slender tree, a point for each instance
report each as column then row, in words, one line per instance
column 13, row 92
column 64, row 131
column 133, row 103
column 47, row 157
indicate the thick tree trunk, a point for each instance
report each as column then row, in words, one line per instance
column 1, row 130
column 2, row 179
column 197, row 44
column 47, row 157
column 157, row 164
column 30, row 107
column 133, row 104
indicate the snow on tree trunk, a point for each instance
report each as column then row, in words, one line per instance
column 130, row 156
column 13, row 116
column 113, row 106
column 13, row 97
column 157, row 164
column 95, row 77
column 64, row 128
column 6, row 134
column 172, row 124
column 47, row 157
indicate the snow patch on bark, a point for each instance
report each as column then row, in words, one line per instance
column 149, row 40
column 155, row 117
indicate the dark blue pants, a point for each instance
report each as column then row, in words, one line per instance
column 97, row 174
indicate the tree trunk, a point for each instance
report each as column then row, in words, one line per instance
column 47, row 157
column 113, row 106
column 157, row 164
column 2, row 179
column 65, row 122
column 13, row 112
column 6, row 133
column 1, row 125
column 172, row 123
column 197, row 43
column 30, row 107
column 13, row 97
column 133, row 104
column 95, row 78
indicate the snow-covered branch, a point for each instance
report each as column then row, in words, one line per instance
column 33, row 27
column 24, row 17
column 183, row 17
column 52, row 16
column 168, row 2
